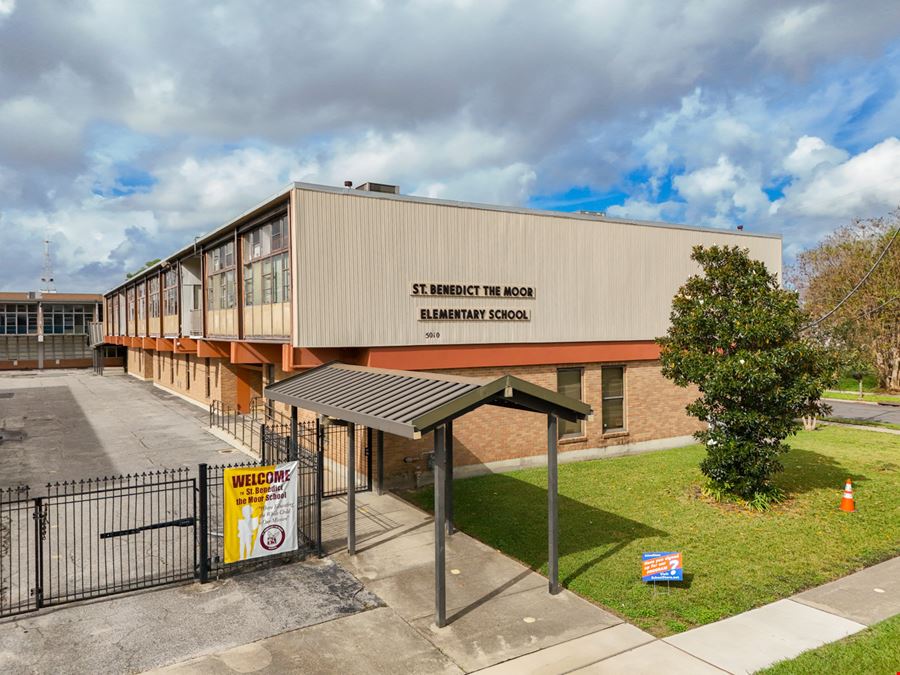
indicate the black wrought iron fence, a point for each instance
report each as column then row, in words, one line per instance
column 91, row 538
column 331, row 442
column 245, row 427
column 19, row 529
column 260, row 423
column 212, row 518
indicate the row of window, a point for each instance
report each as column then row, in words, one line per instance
column 569, row 382
column 58, row 319
column 266, row 269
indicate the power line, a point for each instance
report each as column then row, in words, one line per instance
column 858, row 285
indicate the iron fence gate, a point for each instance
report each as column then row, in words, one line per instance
column 97, row 537
column 329, row 444
column 92, row 538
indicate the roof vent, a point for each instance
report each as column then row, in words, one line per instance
column 596, row 214
column 379, row 187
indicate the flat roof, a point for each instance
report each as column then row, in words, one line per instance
column 353, row 192
column 412, row 403
column 43, row 296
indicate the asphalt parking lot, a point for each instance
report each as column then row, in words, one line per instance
column 72, row 425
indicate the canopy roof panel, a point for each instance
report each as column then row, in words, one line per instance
column 408, row 403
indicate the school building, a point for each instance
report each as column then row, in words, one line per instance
column 367, row 276
column 49, row 330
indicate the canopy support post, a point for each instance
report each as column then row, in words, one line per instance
column 294, row 454
column 552, row 506
column 448, row 473
column 440, row 588
column 379, row 463
column 351, row 488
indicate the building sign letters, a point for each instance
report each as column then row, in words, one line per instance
column 472, row 291
column 484, row 291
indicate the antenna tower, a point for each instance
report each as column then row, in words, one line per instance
column 47, row 285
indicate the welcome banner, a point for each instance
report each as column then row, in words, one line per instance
column 260, row 511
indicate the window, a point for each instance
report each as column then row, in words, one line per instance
column 131, row 304
column 141, row 304
column 613, row 403
column 154, row 298
column 67, row 319
column 220, row 283
column 170, row 292
column 267, row 263
column 568, row 383
column 18, row 319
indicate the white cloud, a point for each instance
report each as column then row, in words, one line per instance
column 216, row 106
column 811, row 153
column 866, row 184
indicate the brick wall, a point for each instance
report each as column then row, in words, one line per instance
column 654, row 409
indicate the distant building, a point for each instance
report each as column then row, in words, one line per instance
column 48, row 330
column 572, row 302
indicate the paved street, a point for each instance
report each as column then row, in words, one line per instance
column 865, row 411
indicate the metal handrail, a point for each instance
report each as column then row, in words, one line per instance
column 244, row 427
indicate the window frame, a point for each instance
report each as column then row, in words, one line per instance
column 614, row 431
column 259, row 251
column 220, row 273
column 581, row 434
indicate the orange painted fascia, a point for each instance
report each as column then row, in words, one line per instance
column 164, row 345
column 255, row 352
column 207, row 349
column 486, row 356
column 303, row 357
column 148, row 343
column 185, row 345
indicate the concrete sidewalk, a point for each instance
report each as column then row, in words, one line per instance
column 503, row 620
column 752, row 640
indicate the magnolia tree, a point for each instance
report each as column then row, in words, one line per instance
column 736, row 335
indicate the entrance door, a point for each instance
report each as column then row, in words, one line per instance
column 249, row 385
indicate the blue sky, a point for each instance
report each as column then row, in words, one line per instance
column 125, row 130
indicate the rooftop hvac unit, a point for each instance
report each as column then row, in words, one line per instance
column 379, row 187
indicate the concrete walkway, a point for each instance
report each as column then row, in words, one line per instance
column 749, row 641
column 503, row 620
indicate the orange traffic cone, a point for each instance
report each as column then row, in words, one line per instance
column 847, row 502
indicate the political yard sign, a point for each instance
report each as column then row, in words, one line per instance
column 661, row 567
column 260, row 511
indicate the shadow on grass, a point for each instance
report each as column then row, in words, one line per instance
column 511, row 515
column 805, row 470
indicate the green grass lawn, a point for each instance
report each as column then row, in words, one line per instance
column 845, row 383
column 874, row 650
column 871, row 398
column 612, row 510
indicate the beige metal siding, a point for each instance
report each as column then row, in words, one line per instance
column 358, row 256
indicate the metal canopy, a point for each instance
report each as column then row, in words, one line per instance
column 410, row 404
